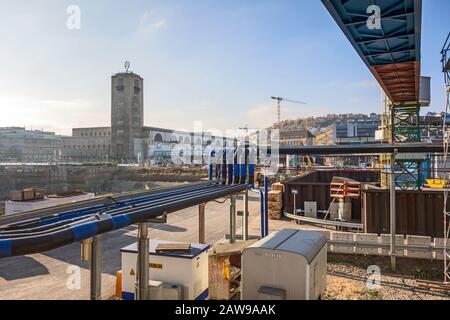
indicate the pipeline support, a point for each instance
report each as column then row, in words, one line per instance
column 143, row 262
column 201, row 223
column 392, row 215
column 245, row 217
column 233, row 218
column 96, row 268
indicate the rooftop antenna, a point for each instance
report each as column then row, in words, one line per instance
column 127, row 66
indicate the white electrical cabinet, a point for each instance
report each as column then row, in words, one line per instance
column 287, row 265
column 182, row 275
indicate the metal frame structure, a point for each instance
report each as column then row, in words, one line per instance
column 391, row 50
column 409, row 174
column 406, row 123
column 445, row 52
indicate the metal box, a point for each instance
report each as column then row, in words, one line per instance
column 425, row 91
column 188, row 271
column 311, row 209
column 288, row 264
column 172, row 292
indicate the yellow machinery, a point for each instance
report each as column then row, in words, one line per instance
column 436, row 183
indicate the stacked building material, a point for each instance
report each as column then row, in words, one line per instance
column 276, row 201
column 28, row 194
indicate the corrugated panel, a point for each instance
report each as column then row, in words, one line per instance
column 417, row 212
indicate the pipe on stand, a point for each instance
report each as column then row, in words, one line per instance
column 261, row 206
column 245, row 217
column 201, row 223
column 96, row 268
column 392, row 252
column 233, row 218
column 143, row 262
column 266, row 206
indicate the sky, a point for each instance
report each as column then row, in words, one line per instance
column 215, row 61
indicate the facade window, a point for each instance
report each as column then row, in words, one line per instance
column 158, row 138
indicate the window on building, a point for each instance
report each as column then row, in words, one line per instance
column 158, row 138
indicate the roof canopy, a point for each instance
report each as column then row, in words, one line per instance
column 392, row 52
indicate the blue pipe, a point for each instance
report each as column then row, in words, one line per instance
column 224, row 166
column 211, row 166
column 78, row 232
column 263, row 220
column 98, row 208
column 251, row 174
column 230, row 173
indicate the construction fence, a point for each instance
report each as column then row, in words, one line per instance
column 418, row 213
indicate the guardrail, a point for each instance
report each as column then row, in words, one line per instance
column 417, row 247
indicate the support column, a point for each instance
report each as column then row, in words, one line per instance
column 233, row 219
column 142, row 262
column 245, row 217
column 392, row 252
column 96, row 268
column 201, row 223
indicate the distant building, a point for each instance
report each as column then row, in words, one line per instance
column 162, row 142
column 326, row 136
column 87, row 145
column 347, row 132
column 296, row 138
column 20, row 145
column 127, row 114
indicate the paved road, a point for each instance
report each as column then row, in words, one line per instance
column 45, row 276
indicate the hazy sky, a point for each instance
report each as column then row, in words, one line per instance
column 217, row 61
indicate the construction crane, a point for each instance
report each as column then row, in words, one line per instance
column 279, row 100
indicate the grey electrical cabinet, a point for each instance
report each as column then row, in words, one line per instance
column 286, row 265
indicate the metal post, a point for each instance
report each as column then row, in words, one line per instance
column 96, row 268
column 233, row 219
column 245, row 217
column 201, row 223
column 266, row 206
column 142, row 262
column 392, row 252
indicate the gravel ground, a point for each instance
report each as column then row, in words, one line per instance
column 347, row 279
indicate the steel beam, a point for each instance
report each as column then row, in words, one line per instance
column 96, row 268
column 142, row 262
column 201, row 223
column 362, row 149
column 392, row 252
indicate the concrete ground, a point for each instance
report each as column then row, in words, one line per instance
column 49, row 275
